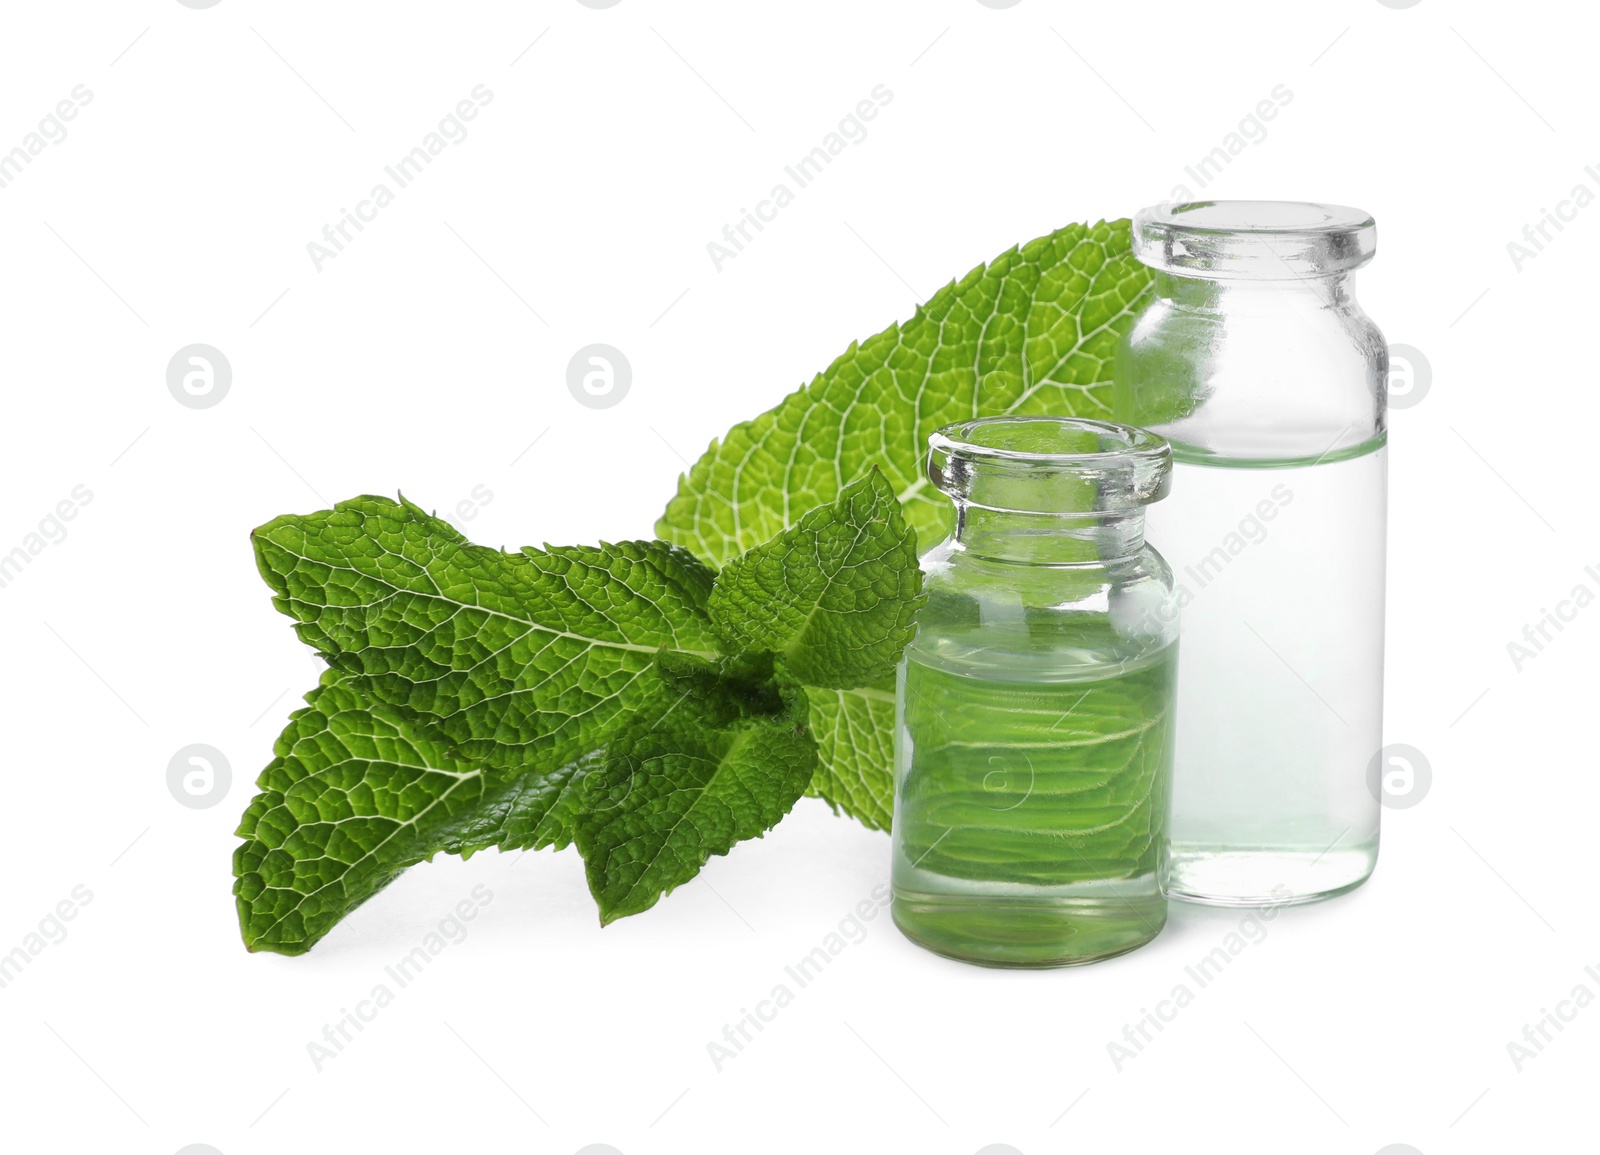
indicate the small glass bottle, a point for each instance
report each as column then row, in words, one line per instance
column 1033, row 744
column 1255, row 361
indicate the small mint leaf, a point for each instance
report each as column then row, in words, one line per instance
column 527, row 660
column 836, row 594
column 715, row 767
column 354, row 797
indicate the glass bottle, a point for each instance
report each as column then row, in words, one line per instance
column 1033, row 744
column 1255, row 361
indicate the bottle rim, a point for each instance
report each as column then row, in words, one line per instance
column 1258, row 240
column 1059, row 461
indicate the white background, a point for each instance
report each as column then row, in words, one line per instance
column 432, row 352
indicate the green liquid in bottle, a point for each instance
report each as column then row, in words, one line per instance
column 1032, row 802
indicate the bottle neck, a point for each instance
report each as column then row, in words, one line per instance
column 1075, row 539
column 1329, row 291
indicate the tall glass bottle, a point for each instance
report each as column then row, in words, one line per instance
column 1254, row 360
column 1033, row 748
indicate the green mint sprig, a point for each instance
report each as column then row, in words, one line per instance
column 623, row 697
column 1032, row 332
column 628, row 697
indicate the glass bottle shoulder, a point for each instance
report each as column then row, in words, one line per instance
column 988, row 610
column 1273, row 371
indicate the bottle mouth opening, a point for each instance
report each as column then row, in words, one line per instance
column 1259, row 240
column 1056, row 465
column 1052, row 441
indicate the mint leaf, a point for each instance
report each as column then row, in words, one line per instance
column 528, row 660
column 854, row 730
column 477, row 698
column 836, row 595
column 354, row 797
column 1032, row 332
column 722, row 763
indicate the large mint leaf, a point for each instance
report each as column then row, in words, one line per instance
column 354, row 796
column 854, row 730
column 528, row 660
column 1034, row 331
column 835, row 595
column 722, row 763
